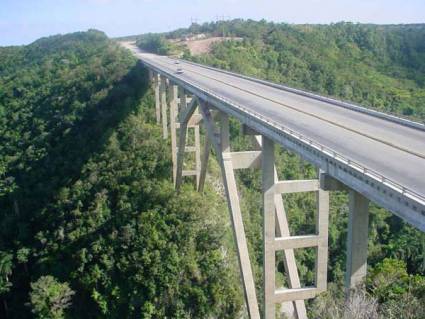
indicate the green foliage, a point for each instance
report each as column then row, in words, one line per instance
column 22, row 255
column 135, row 224
column 50, row 298
column 89, row 199
column 389, row 280
column 154, row 43
column 6, row 264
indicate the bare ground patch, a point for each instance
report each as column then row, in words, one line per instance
column 200, row 46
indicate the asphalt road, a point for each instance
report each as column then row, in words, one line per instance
column 393, row 150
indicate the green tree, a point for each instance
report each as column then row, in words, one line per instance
column 50, row 298
column 6, row 265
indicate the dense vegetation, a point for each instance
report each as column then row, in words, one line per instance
column 378, row 66
column 90, row 224
column 158, row 43
column 154, row 43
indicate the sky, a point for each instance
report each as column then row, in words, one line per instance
column 23, row 21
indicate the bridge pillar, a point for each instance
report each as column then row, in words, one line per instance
column 156, row 84
column 276, row 236
column 285, row 242
column 357, row 239
column 269, row 257
column 298, row 309
column 221, row 143
column 197, row 151
column 163, row 98
column 357, row 235
column 188, row 118
column 172, row 95
column 204, row 165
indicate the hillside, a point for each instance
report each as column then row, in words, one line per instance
column 90, row 224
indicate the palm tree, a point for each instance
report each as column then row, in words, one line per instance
column 6, row 265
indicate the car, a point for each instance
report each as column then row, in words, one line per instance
column 176, row 62
column 179, row 71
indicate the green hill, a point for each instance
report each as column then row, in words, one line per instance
column 90, row 225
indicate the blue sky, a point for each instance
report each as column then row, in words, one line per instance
column 23, row 21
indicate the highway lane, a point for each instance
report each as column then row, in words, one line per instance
column 405, row 137
column 386, row 147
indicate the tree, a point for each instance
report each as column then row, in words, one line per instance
column 6, row 265
column 389, row 279
column 50, row 298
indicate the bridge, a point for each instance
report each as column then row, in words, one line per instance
column 373, row 156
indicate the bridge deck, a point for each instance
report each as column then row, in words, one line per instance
column 391, row 149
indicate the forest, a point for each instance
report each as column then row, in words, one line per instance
column 91, row 226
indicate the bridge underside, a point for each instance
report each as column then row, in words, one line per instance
column 179, row 112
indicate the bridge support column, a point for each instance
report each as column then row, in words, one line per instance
column 156, row 84
column 163, row 98
column 269, row 254
column 357, row 239
column 204, row 164
column 357, row 235
column 172, row 94
column 282, row 230
column 221, row 144
column 197, row 151
column 285, row 242
column 188, row 118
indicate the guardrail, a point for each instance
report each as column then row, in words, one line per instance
column 324, row 149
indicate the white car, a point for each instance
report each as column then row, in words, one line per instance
column 179, row 71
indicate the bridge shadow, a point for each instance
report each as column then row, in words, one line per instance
column 66, row 156
column 39, row 182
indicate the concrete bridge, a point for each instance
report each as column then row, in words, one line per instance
column 373, row 156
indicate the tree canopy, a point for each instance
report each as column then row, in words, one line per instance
column 90, row 223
